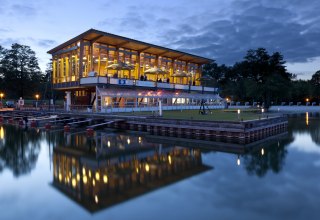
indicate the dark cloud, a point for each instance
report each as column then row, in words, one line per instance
column 23, row 10
column 46, row 43
column 133, row 21
column 7, row 42
column 286, row 27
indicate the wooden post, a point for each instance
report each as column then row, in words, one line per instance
column 91, row 57
column 138, row 66
column 81, row 60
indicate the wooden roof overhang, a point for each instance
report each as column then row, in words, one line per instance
column 96, row 36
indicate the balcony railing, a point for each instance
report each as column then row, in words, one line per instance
column 139, row 83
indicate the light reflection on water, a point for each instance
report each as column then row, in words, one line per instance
column 121, row 176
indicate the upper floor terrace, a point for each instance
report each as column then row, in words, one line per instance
column 97, row 57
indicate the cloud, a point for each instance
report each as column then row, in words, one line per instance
column 4, row 30
column 251, row 24
column 22, row 10
column 46, row 43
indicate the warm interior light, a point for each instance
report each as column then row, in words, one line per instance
column 85, row 179
column 74, row 182
column 147, row 167
column 84, row 171
column 307, row 118
column 96, row 199
column 97, row 176
column 128, row 141
column 105, row 178
column 169, row 159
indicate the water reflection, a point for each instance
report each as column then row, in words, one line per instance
column 19, row 149
column 111, row 168
column 309, row 126
column 267, row 156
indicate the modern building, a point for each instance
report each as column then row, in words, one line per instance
column 106, row 71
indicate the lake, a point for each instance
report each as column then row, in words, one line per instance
column 115, row 175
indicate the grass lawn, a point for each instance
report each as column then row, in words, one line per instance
column 215, row 115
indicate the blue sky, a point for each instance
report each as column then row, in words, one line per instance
column 221, row 30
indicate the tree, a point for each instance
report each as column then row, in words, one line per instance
column 268, row 73
column 2, row 54
column 21, row 72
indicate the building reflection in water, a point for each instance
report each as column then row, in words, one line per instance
column 112, row 168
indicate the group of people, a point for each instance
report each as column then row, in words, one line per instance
column 144, row 78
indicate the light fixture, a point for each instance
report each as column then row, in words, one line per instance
column 97, row 176
column 105, row 178
column 85, row 179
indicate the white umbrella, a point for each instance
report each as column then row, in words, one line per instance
column 181, row 74
column 121, row 66
column 155, row 70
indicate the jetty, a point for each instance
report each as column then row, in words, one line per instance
column 240, row 132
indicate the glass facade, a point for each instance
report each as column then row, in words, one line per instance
column 80, row 58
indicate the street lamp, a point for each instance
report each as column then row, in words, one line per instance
column 1, row 95
column 37, row 97
column 238, row 114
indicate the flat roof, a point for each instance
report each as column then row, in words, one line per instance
column 127, row 43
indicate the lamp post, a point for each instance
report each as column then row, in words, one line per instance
column 37, row 97
column 238, row 114
column 1, row 96
column 262, row 111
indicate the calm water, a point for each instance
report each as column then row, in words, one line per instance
column 50, row 175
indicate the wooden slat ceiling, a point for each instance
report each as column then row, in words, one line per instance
column 127, row 43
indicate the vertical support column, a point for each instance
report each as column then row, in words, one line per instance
column 188, row 78
column 160, row 107
column 199, row 68
column 81, row 60
column 91, row 58
column 173, row 69
column 116, row 54
column 97, row 103
column 68, row 104
column 99, row 62
column 138, row 61
column 54, row 72
column 157, row 61
column 68, row 69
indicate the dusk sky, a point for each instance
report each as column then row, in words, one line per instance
column 222, row 30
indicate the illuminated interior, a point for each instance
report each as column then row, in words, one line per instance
column 95, row 51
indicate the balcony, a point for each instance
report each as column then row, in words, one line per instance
column 146, row 84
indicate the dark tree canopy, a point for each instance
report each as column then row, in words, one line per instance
column 20, row 72
column 258, row 77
